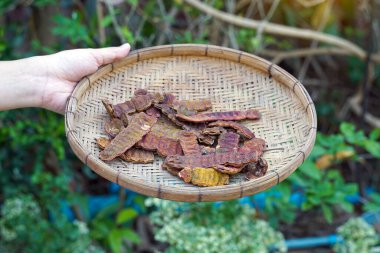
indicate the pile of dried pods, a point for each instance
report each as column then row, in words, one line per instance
column 202, row 148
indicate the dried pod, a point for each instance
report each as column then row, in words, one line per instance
column 107, row 104
column 142, row 102
column 203, row 176
column 103, row 142
column 213, row 130
column 129, row 136
column 135, row 155
column 127, row 107
column 180, row 109
column 139, row 92
column 228, row 169
column 206, row 139
column 207, row 150
column 169, row 112
column 194, row 105
column 214, row 116
column 227, row 142
column 165, row 127
column 169, row 98
column 240, row 129
column 234, row 159
column 157, row 97
column 113, row 127
column 256, row 170
column 167, row 147
column 255, row 144
column 189, row 143
column 153, row 111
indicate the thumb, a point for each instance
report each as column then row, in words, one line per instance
column 110, row 54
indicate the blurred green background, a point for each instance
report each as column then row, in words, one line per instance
column 51, row 202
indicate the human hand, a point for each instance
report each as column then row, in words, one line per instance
column 66, row 68
column 48, row 81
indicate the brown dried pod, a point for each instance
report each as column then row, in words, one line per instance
column 255, row 144
column 165, row 127
column 213, row 130
column 113, row 126
column 168, row 98
column 180, row 109
column 156, row 97
column 214, row 116
column 206, row 139
column 103, row 142
column 229, row 170
column 129, row 136
column 234, row 159
column 127, row 107
column 169, row 112
column 203, row 177
column 194, row 105
column 256, row 170
column 227, row 142
column 153, row 111
column 142, row 102
column 207, row 150
column 189, row 143
column 139, row 92
column 109, row 108
column 135, row 155
column 240, row 129
column 167, row 147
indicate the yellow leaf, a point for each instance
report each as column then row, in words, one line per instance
column 326, row 161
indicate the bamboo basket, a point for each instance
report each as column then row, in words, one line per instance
column 233, row 80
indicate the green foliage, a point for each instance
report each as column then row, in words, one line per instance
column 25, row 228
column 208, row 227
column 358, row 236
column 373, row 204
column 112, row 227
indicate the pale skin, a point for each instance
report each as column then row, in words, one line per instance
column 48, row 81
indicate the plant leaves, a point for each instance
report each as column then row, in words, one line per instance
column 373, row 147
column 126, row 215
column 327, row 213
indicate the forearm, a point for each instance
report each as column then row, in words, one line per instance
column 21, row 82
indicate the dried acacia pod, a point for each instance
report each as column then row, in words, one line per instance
column 213, row 130
column 206, row 139
column 227, row 142
column 167, row 147
column 180, row 109
column 214, row 116
column 189, row 143
column 203, row 176
column 240, row 129
column 129, row 136
column 170, row 113
column 169, row 98
column 153, row 111
column 135, row 155
column 103, row 142
column 256, row 170
column 142, row 102
column 229, row 170
column 234, row 159
column 109, row 108
column 194, row 105
column 113, row 126
column 127, row 107
column 255, row 144
column 207, row 150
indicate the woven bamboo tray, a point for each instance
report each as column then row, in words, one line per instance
column 232, row 79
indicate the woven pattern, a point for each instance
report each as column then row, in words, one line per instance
column 285, row 123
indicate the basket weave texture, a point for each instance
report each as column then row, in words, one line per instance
column 232, row 79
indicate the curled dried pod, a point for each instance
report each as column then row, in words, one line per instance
column 255, row 144
column 257, row 169
column 239, row 128
column 189, row 143
column 227, row 142
column 113, row 126
column 135, row 155
column 213, row 130
column 103, row 142
column 194, row 105
column 229, row 170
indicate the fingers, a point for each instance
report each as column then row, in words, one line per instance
column 110, row 54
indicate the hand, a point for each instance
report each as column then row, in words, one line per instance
column 66, row 68
column 47, row 81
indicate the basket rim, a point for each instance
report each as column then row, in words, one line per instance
column 195, row 194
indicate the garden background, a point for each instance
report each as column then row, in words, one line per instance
column 51, row 202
